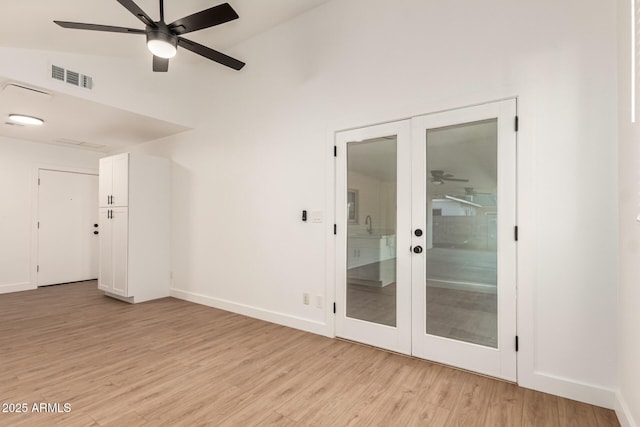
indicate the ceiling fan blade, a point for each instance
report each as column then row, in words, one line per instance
column 209, row 53
column 454, row 179
column 96, row 27
column 204, row 19
column 137, row 12
column 160, row 64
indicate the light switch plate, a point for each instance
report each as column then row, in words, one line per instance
column 317, row 217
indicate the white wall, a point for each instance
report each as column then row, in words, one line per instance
column 628, row 402
column 262, row 155
column 19, row 161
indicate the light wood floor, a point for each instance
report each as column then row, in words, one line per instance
column 170, row 362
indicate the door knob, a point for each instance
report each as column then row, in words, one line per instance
column 95, row 232
column 417, row 249
column 418, row 232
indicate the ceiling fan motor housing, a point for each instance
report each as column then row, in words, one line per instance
column 161, row 33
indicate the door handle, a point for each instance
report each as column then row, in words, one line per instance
column 417, row 249
column 95, row 232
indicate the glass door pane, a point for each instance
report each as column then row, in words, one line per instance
column 371, row 230
column 461, row 253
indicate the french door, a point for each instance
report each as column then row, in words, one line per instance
column 426, row 252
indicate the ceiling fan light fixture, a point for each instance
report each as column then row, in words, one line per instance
column 162, row 43
column 25, row 120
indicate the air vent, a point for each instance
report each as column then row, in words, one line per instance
column 71, row 77
column 83, row 144
column 57, row 73
column 86, row 82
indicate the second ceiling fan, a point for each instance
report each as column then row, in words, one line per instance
column 163, row 39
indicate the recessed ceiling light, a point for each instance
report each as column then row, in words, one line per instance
column 25, row 120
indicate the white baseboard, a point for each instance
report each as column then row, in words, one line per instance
column 16, row 287
column 623, row 413
column 255, row 312
column 571, row 389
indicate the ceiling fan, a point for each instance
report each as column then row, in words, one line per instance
column 163, row 39
column 439, row 177
column 470, row 191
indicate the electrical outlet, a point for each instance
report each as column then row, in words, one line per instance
column 319, row 301
column 305, row 298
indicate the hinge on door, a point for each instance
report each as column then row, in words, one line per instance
column 517, row 124
column 515, row 233
column 37, row 269
column 517, row 343
column 335, row 151
column 38, row 224
column 38, row 181
column 334, row 308
column 335, row 228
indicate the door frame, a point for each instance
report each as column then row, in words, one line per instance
column 333, row 247
column 35, row 210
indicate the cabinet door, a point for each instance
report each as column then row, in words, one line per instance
column 119, row 249
column 105, row 182
column 105, row 274
column 120, row 192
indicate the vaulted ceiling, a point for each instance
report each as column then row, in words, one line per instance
column 81, row 123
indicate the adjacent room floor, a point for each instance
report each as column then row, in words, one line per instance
column 171, row 362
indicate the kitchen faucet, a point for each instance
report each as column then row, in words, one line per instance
column 367, row 222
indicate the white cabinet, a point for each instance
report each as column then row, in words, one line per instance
column 371, row 260
column 114, row 180
column 365, row 250
column 114, row 245
column 134, row 237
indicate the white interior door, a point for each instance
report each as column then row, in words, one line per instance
column 425, row 245
column 67, row 219
column 373, row 283
column 464, row 279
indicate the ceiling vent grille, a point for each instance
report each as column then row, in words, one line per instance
column 71, row 77
column 57, row 73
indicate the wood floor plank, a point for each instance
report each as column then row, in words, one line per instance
column 540, row 409
column 606, row 417
column 505, row 407
column 174, row 363
column 576, row 414
column 471, row 408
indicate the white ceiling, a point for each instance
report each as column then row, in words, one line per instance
column 28, row 24
column 75, row 122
